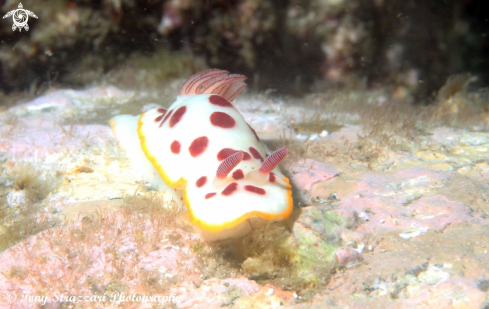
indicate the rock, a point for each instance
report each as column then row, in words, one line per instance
column 304, row 175
column 347, row 256
column 304, row 249
column 404, row 200
column 403, row 225
column 450, row 293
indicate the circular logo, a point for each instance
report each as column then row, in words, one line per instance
column 20, row 18
column 11, row 297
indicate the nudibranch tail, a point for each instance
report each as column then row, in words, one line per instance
column 229, row 163
column 273, row 160
column 214, row 81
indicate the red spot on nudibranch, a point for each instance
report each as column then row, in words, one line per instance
column 255, row 189
column 226, row 152
column 238, row 174
column 177, row 116
column 166, row 117
column 209, row 195
column 175, row 147
column 256, row 154
column 222, row 120
column 201, row 181
column 230, row 189
column 158, row 119
column 220, row 101
column 254, row 132
column 271, row 177
column 198, row 146
column 162, row 111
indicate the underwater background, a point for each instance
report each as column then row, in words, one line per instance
column 384, row 109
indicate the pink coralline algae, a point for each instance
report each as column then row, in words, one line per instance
column 436, row 297
column 35, row 130
column 306, row 174
column 404, row 200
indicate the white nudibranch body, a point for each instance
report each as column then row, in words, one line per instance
column 202, row 145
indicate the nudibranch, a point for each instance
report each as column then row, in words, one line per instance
column 203, row 151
